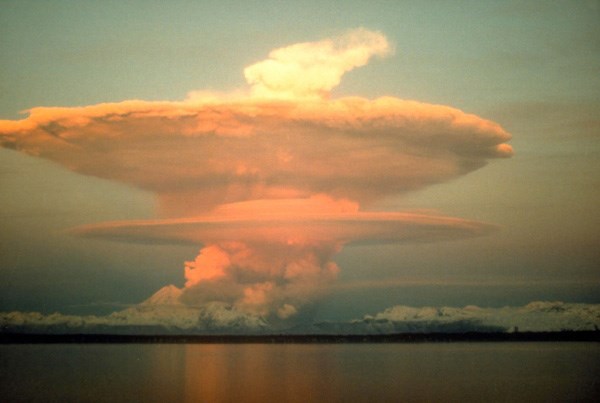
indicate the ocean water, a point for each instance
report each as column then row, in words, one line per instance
column 424, row 372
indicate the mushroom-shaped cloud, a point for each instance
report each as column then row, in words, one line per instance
column 275, row 182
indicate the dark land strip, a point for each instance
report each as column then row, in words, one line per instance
column 562, row 336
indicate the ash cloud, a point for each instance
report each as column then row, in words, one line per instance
column 272, row 180
column 266, row 280
column 198, row 155
column 212, row 149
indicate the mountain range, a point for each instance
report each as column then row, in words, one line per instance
column 165, row 313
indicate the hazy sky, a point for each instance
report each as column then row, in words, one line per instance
column 531, row 67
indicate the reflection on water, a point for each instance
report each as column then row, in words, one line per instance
column 260, row 373
column 301, row 373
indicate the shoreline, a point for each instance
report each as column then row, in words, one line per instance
column 562, row 336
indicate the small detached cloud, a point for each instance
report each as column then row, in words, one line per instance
column 312, row 69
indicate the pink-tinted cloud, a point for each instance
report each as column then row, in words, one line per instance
column 274, row 180
column 197, row 155
column 257, row 278
column 283, row 140
column 271, row 257
column 291, row 222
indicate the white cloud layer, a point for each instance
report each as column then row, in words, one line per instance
column 538, row 316
column 157, row 315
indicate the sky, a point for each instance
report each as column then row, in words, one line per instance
column 441, row 214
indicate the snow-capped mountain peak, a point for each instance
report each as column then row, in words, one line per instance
column 168, row 295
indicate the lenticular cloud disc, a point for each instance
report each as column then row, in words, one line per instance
column 371, row 227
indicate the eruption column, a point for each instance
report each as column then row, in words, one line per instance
column 273, row 181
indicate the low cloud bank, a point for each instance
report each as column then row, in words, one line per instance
column 165, row 313
column 538, row 316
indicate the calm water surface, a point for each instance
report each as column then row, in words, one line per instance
column 460, row 372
